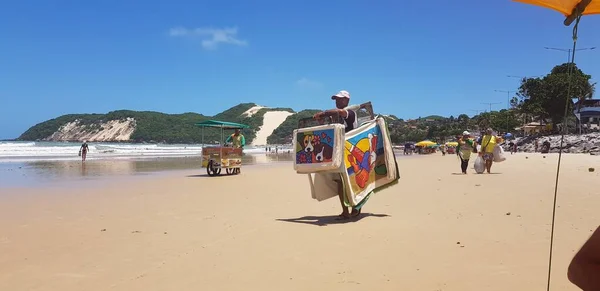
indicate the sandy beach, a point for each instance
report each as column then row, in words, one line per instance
column 181, row 230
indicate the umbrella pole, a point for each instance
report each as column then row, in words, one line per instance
column 575, row 16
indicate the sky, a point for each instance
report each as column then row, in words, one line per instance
column 409, row 58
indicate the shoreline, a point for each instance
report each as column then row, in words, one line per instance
column 42, row 173
column 58, row 173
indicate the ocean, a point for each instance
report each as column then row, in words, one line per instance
column 17, row 151
column 46, row 163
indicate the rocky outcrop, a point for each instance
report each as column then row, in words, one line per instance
column 585, row 143
column 113, row 130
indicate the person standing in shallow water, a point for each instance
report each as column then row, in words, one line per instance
column 83, row 150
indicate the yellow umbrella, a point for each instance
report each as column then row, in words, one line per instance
column 452, row 144
column 425, row 143
column 569, row 8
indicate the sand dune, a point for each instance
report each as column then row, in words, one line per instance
column 113, row 130
column 252, row 110
column 271, row 121
column 262, row 231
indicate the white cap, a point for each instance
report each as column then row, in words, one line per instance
column 466, row 133
column 341, row 94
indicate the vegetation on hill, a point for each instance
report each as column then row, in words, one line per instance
column 159, row 127
column 442, row 129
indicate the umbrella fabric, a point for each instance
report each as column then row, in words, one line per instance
column 425, row 143
column 565, row 6
column 452, row 143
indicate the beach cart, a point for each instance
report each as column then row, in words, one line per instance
column 218, row 157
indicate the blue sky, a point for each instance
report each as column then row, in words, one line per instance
column 410, row 58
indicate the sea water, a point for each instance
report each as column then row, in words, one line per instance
column 18, row 151
column 32, row 163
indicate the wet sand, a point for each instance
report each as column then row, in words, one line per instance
column 43, row 173
column 436, row 230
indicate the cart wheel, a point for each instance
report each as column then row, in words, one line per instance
column 229, row 171
column 209, row 169
column 218, row 171
column 237, row 170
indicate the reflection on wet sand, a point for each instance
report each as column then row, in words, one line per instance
column 35, row 172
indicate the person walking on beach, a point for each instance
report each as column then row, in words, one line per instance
column 513, row 147
column 465, row 147
column 238, row 139
column 488, row 143
column 83, row 150
column 584, row 269
column 342, row 99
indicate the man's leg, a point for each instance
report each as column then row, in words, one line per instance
column 345, row 213
column 464, row 164
column 488, row 165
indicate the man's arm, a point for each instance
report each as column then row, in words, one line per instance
column 342, row 112
column 584, row 270
column 228, row 140
column 243, row 140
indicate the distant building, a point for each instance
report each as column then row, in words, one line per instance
column 534, row 127
column 588, row 113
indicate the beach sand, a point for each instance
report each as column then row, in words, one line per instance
column 261, row 230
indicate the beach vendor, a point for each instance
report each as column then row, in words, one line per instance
column 237, row 139
column 465, row 147
column 342, row 99
column 488, row 143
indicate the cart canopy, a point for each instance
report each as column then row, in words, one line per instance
column 222, row 124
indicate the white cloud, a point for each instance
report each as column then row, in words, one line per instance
column 307, row 83
column 211, row 37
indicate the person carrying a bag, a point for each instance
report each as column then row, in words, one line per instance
column 488, row 143
column 466, row 145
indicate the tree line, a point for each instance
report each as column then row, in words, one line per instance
column 541, row 99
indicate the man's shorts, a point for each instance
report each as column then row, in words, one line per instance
column 488, row 156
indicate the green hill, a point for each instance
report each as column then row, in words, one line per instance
column 179, row 128
column 155, row 126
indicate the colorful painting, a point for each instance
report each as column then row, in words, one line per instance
column 364, row 158
column 315, row 146
column 369, row 160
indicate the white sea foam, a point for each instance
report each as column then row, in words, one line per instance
column 18, row 151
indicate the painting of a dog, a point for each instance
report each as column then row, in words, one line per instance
column 314, row 146
column 323, row 152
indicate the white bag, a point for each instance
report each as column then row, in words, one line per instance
column 499, row 154
column 479, row 165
